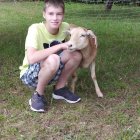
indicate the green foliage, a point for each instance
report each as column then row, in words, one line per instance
column 114, row 117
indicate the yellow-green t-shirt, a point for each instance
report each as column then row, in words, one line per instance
column 38, row 37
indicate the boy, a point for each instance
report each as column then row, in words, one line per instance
column 47, row 58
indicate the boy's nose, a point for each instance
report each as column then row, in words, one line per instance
column 54, row 16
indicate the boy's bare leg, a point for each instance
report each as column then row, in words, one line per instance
column 48, row 69
column 71, row 61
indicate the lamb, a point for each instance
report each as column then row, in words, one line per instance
column 85, row 41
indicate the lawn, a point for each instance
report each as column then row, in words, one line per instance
column 114, row 117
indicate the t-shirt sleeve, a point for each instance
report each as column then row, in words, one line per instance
column 31, row 38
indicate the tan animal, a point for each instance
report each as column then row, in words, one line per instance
column 85, row 41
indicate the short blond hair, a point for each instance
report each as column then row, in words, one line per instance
column 56, row 3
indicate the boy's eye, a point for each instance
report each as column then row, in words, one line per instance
column 59, row 14
column 50, row 13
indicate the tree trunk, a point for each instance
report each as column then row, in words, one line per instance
column 109, row 4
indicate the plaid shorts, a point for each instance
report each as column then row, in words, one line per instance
column 30, row 77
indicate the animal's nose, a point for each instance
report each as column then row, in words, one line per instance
column 70, row 45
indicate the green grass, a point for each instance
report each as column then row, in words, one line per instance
column 115, row 117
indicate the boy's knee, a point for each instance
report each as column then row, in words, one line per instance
column 52, row 62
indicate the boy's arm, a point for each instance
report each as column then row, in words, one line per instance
column 34, row 55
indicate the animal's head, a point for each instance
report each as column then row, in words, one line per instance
column 79, row 38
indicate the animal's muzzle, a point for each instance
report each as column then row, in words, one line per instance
column 70, row 45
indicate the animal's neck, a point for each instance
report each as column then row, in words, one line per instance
column 88, row 54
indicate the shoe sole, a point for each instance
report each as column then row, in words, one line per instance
column 57, row 97
column 33, row 109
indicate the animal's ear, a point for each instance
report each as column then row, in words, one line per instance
column 68, row 35
column 67, row 32
column 73, row 26
column 89, row 32
column 92, row 37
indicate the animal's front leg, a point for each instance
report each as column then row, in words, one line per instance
column 93, row 75
column 73, row 81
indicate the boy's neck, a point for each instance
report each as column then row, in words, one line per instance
column 52, row 31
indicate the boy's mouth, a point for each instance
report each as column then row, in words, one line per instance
column 55, row 23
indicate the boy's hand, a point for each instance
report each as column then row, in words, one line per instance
column 65, row 46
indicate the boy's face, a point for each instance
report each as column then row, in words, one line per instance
column 54, row 16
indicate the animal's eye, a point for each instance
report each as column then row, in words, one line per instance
column 82, row 35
